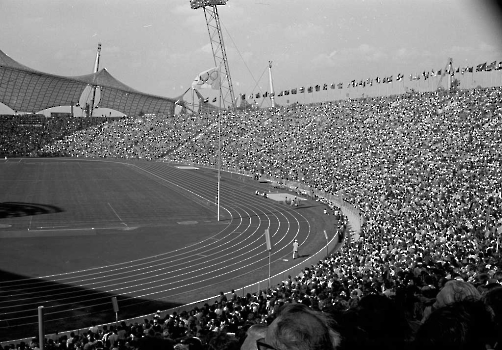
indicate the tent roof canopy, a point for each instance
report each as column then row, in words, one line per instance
column 28, row 90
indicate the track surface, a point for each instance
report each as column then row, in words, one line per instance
column 178, row 252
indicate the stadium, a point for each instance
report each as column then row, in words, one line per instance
column 170, row 223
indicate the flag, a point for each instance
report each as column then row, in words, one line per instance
column 377, row 80
column 317, row 88
column 280, row 94
column 265, row 94
column 491, row 66
column 470, row 69
column 325, row 87
column 389, row 79
column 257, row 95
column 214, row 99
column 208, row 79
column 302, row 89
column 206, row 100
column 481, row 67
column 499, row 67
column 309, row 90
column 243, row 96
column 439, row 73
column 268, row 242
column 287, row 92
column 426, row 75
column 333, row 85
column 352, row 83
column 433, row 73
column 399, row 77
column 340, row 85
column 293, row 91
column 272, row 94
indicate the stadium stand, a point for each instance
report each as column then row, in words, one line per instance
column 423, row 168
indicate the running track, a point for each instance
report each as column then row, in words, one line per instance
column 182, row 275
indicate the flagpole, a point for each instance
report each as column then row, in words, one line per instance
column 219, row 154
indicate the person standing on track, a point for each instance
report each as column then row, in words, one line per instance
column 295, row 249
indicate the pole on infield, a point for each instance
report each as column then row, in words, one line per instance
column 219, row 154
column 327, row 249
column 269, row 269
column 115, row 308
column 269, row 248
column 41, row 335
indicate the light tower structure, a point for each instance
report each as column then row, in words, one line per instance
column 210, row 8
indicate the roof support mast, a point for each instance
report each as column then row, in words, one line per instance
column 96, row 69
column 448, row 70
column 210, row 8
column 272, row 93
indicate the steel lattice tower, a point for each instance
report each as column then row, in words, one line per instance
column 210, row 8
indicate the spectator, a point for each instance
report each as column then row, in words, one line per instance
column 297, row 327
column 462, row 325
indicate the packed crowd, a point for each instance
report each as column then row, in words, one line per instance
column 26, row 135
column 146, row 137
column 425, row 272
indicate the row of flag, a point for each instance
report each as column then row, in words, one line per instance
column 385, row 80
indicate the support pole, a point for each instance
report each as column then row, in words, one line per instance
column 219, row 155
column 41, row 334
column 269, row 263
column 272, row 93
column 94, row 87
column 327, row 249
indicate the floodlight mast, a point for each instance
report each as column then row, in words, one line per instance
column 210, row 8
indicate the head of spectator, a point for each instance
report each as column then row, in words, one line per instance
column 222, row 341
column 193, row 343
column 455, row 290
column 376, row 322
column 255, row 332
column 461, row 325
column 297, row 327
column 493, row 299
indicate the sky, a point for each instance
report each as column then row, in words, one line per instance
column 160, row 46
